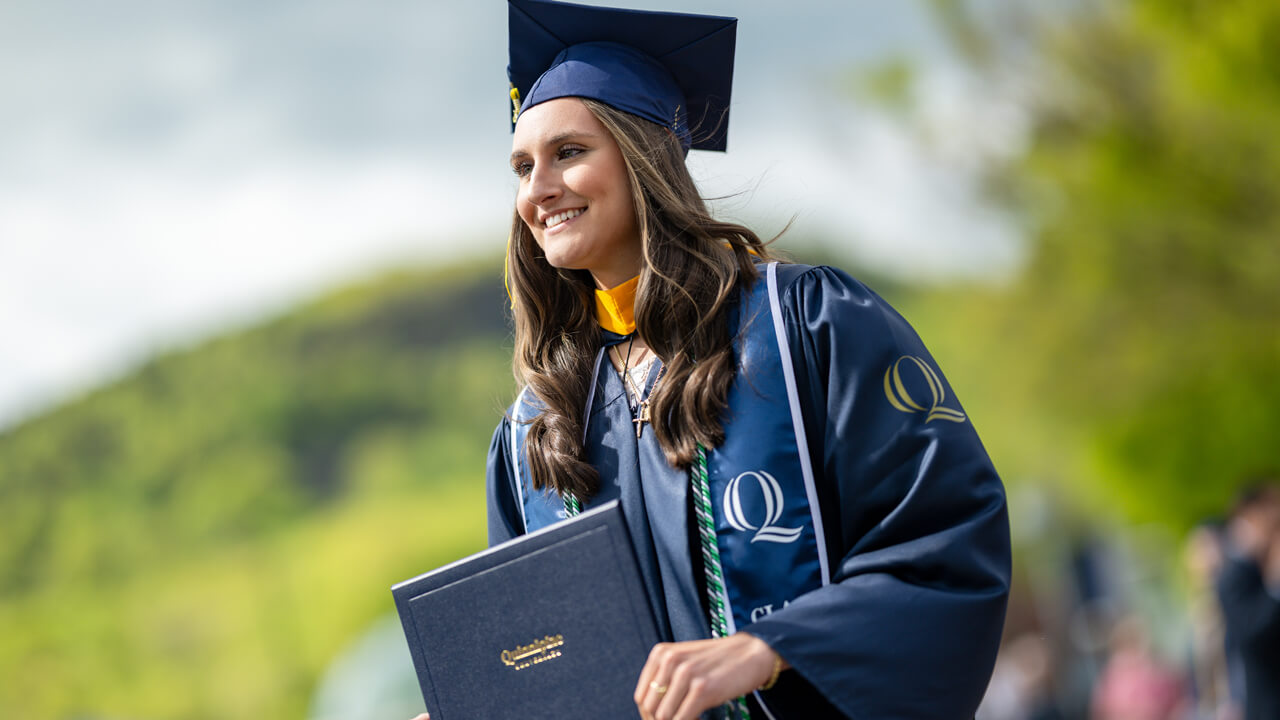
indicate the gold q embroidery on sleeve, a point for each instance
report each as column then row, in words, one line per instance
column 896, row 391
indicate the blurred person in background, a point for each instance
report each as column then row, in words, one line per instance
column 1134, row 684
column 1249, row 590
column 1209, row 686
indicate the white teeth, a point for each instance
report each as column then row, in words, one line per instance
column 558, row 218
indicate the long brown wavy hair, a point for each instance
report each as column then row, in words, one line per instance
column 693, row 269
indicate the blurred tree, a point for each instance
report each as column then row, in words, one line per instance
column 1148, row 314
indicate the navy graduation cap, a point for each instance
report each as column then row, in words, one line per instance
column 674, row 69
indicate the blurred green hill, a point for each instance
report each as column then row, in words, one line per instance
column 199, row 539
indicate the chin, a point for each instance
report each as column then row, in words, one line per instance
column 564, row 258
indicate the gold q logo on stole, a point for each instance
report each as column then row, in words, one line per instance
column 896, row 390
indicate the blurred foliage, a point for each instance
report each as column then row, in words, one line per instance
column 887, row 84
column 1141, row 343
column 201, row 538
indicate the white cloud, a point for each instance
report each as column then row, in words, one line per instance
column 119, row 261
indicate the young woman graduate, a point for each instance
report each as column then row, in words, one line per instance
column 820, row 529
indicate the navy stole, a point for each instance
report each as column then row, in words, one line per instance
column 768, row 527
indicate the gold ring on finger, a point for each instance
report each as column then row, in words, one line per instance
column 654, row 686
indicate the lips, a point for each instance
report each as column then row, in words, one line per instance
column 556, row 219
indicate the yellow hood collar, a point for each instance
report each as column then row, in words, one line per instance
column 615, row 307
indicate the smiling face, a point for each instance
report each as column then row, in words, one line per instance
column 574, row 192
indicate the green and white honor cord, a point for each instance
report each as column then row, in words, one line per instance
column 735, row 709
column 571, row 505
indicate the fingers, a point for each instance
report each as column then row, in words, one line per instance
column 679, row 675
column 655, row 679
column 648, row 678
column 681, row 680
column 423, row 716
column 695, row 699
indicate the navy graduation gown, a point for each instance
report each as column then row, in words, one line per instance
column 914, row 521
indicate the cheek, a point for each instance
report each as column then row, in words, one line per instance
column 617, row 188
column 586, row 182
column 622, row 208
column 528, row 213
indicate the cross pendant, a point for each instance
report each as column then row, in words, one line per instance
column 643, row 418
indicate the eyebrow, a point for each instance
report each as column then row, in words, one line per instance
column 556, row 140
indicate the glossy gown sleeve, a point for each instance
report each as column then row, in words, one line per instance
column 915, row 522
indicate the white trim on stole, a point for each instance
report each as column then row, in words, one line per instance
column 797, row 421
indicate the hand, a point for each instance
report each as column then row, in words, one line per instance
column 423, row 716
column 680, row 680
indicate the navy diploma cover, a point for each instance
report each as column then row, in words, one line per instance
column 549, row 625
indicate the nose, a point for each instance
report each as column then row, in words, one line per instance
column 545, row 184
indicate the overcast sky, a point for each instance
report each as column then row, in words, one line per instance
column 171, row 170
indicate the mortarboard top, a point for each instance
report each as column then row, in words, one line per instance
column 674, row 69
